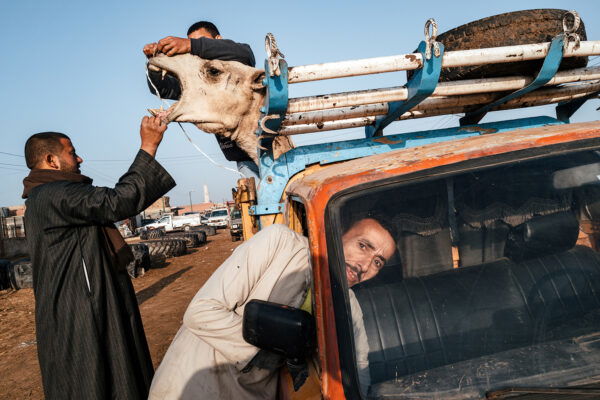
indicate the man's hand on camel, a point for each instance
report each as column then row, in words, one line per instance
column 174, row 45
column 151, row 132
column 150, row 49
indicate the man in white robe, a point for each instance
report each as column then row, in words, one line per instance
column 207, row 356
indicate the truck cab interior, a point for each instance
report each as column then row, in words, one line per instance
column 495, row 283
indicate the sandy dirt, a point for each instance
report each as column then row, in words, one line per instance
column 163, row 294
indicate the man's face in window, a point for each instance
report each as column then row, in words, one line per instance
column 367, row 247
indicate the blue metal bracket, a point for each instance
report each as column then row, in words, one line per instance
column 276, row 98
column 273, row 110
column 264, row 209
column 420, row 86
column 547, row 72
column 275, row 174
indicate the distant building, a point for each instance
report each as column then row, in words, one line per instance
column 12, row 211
column 206, row 195
column 11, row 221
column 158, row 208
column 199, row 207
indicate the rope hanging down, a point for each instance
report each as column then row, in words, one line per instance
column 185, row 133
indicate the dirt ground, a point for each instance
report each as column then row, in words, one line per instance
column 163, row 294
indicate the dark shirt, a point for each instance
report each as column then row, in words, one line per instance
column 209, row 49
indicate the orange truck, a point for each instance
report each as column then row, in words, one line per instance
column 494, row 287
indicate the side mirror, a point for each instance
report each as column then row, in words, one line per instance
column 278, row 328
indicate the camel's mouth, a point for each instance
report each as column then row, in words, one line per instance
column 155, row 64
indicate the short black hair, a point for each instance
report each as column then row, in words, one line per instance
column 40, row 144
column 380, row 218
column 208, row 26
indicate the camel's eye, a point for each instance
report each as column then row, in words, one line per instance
column 214, row 72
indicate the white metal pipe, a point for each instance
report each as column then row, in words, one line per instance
column 455, row 88
column 425, row 109
column 458, row 58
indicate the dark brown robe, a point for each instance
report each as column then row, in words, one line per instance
column 90, row 338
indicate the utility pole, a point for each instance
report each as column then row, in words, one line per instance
column 191, row 206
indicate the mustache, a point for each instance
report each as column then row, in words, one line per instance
column 356, row 270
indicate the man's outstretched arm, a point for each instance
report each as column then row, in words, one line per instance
column 273, row 265
column 144, row 182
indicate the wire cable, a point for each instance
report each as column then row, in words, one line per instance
column 12, row 154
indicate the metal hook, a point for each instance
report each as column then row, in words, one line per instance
column 576, row 22
column 264, row 120
column 570, row 32
column 430, row 39
column 273, row 54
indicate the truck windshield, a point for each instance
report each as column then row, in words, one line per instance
column 219, row 213
column 494, row 281
column 235, row 214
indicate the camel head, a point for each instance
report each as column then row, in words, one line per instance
column 219, row 97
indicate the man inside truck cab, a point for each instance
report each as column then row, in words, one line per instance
column 209, row 356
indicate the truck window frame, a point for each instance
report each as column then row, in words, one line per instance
column 333, row 224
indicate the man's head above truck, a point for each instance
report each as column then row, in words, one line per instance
column 203, row 29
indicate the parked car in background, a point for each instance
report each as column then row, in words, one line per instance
column 219, row 218
column 169, row 222
column 235, row 226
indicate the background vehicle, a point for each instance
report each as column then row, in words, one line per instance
column 494, row 289
column 169, row 222
column 219, row 218
column 235, row 226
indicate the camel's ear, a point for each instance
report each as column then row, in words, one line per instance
column 257, row 80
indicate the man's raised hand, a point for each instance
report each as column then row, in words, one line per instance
column 150, row 49
column 174, row 45
column 151, row 132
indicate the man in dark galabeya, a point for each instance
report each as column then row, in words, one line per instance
column 90, row 338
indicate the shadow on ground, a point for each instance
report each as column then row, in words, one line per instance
column 153, row 290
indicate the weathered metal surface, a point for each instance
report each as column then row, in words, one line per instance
column 340, row 176
column 403, row 62
column 350, row 117
column 456, row 88
column 276, row 173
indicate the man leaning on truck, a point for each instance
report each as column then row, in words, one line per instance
column 209, row 356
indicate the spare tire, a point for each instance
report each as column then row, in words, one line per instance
column 201, row 236
column 191, row 239
column 5, row 275
column 21, row 274
column 166, row 247
column 208, row 230
column 152, row 234
column 508, row 29
column 141, row 262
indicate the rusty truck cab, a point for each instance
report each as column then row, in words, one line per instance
column 495, row 283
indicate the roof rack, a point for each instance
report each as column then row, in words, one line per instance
column 422, row 96
column 293, row 116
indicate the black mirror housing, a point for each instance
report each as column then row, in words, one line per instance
column 279, row 328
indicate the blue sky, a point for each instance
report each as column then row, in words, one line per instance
column 77, row 67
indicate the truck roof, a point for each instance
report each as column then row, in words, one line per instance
column 322, row 183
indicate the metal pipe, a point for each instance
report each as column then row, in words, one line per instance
column 455, row 88
column 459, row 58
column 443, row 106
